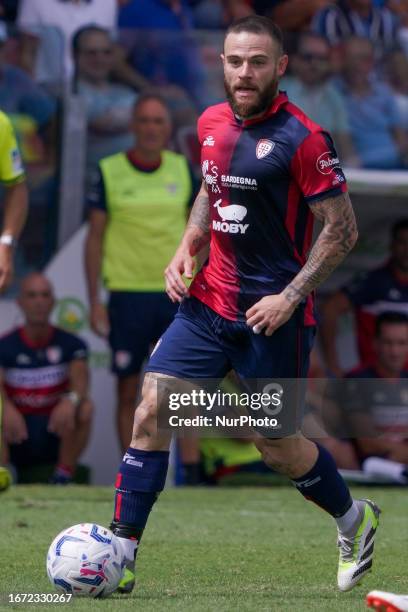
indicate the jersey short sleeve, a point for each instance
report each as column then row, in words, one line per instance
column 11, row 166
column 96, row 197
column 361, row 290
column 316, row 168
column 76, row 348
column 3, row 353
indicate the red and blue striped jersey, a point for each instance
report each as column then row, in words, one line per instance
column 261, row 176
column 36, row 375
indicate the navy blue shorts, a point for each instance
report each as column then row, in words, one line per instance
column 136, row 321
column 201, row 344
column 41, row 447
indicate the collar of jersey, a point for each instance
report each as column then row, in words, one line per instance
column 276, row 105
column 36, row 345
column 398, row 277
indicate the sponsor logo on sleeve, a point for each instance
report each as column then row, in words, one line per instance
column 326, row 162
column 16, row 162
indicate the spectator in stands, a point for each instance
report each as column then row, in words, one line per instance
column 322, row 417
column 310, row 88
column 20, row 96
column 12, row 177
column 357, row 18
column 138, row 214
column 396, row 70
column 38, row 18
column 108, row 105
column 217, row 14
column 8, row 10
column 291, row 15
column 376, row 410
column 159, row 37
column 385, row 288
column 373, row 114
column 44, row 381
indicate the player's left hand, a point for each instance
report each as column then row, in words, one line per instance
column 269, row 313
column 62, row 419
column 6, row 266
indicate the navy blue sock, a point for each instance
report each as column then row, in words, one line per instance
column 141, row 477
column 324, row 485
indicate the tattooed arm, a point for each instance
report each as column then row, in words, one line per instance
column 197, row 233
column 196, row 236
column 337, row 238
column 335, row 241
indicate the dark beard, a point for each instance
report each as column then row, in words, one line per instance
column 247, row 110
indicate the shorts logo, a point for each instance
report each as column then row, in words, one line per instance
column 54, row 354
column 209, row 141
column 122, row 359
column 264, row 147
column 326, row 162
column 156, row 346
column 233, row 212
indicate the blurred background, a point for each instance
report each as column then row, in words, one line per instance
column 70, row 98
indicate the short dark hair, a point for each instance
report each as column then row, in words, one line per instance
column 389, row 318
column 399, row 226
column 88, row 29
column 256, row 24
column 146, row 96
column 305, row 36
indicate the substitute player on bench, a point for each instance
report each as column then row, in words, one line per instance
column 268, row 170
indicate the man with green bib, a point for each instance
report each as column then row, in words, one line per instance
column 137, row 217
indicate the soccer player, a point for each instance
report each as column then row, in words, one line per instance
column 12, row 177
column 16, row 199
column 267, row 170
column 374, row 401
column 380, row 290
column 44, row 382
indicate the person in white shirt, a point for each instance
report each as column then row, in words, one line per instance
column 38, row 19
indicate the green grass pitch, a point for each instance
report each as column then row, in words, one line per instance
column 207, row 549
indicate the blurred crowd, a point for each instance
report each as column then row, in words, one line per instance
column 348, row 67
column 348, row 71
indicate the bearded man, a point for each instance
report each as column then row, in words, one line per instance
column 268, row 170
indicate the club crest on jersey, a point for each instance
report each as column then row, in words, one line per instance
column 233, row 212
column 264, row 147
column 54, row 354
column 209, row 141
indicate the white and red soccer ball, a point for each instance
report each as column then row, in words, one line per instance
column 85, row 560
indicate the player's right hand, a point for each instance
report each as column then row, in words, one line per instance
column 14, row 426
column 99, row 320
column 181, row 264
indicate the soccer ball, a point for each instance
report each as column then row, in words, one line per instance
column 85, row 560
column 5, row 479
